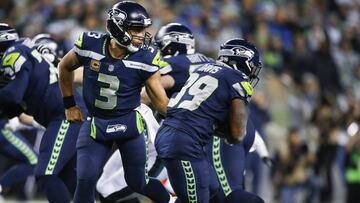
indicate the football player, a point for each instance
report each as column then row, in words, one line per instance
column 242, row 56
column 116, row 67
column 29, row 82
column 177, row 46
column 212, row 92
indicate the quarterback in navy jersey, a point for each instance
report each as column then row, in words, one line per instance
column 176, row 44
column 30, row 81
column 116, row 67
column 204, row 101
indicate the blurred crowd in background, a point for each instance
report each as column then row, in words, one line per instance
column 307, row 104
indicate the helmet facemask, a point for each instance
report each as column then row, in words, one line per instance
column 145, row 40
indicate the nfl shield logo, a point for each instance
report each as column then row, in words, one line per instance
column 111, row 68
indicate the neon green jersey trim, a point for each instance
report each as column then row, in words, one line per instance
column 10, row 59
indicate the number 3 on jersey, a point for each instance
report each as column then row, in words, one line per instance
column 200, row 88
column 108, row 92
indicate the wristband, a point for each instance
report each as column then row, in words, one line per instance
column 69, row 102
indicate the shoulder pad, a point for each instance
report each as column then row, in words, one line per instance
column 12, row 62
column 86, row 39
column 91, row 44
column 242, row 84
column 149, row 56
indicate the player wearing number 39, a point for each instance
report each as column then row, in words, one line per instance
column 215, row 94
column 116, row 67
column 30, row 81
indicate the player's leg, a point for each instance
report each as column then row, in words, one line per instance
column 190, row 180
column 58, row 146
column 112, row 186
column 15, row 146
column 91, row 157
column 68, row 175
column 229, row 164
column 134, row 153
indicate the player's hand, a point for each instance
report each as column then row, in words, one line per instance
column 73, row 114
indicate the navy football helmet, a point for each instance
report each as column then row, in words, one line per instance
column 49, row 48
column 174, row 38
column 124, row 16
column 8, row 36
column 241, row 55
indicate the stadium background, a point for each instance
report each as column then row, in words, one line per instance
column 307, row 103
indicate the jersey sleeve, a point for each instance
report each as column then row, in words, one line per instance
column 83, row 46
column 170, row 65
column 13, row 62
column 240, row 87
column 165, row 67
column 149, row 64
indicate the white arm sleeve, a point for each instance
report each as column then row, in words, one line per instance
column 259, row 146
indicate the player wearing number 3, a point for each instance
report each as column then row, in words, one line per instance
column 116, row 66
column 214, row 94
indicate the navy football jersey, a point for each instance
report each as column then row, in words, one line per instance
column 32, row 82
column 179, row 67
column 206, row 99
column 112, row 86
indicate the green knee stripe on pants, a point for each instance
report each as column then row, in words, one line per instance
column 93, row 128
column 190, row 181
column 139, row 122
column 142, row 127
column 220, row 172
column 20, row 145
column 146, row 137
column 57, row 147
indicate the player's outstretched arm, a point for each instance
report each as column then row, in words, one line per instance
column 238, row 120
column 66, row 77
column 167, row 82
column 156, row 93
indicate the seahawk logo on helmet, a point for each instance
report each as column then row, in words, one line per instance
column 118, row 16
column 241, row 55
column 243, row 51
